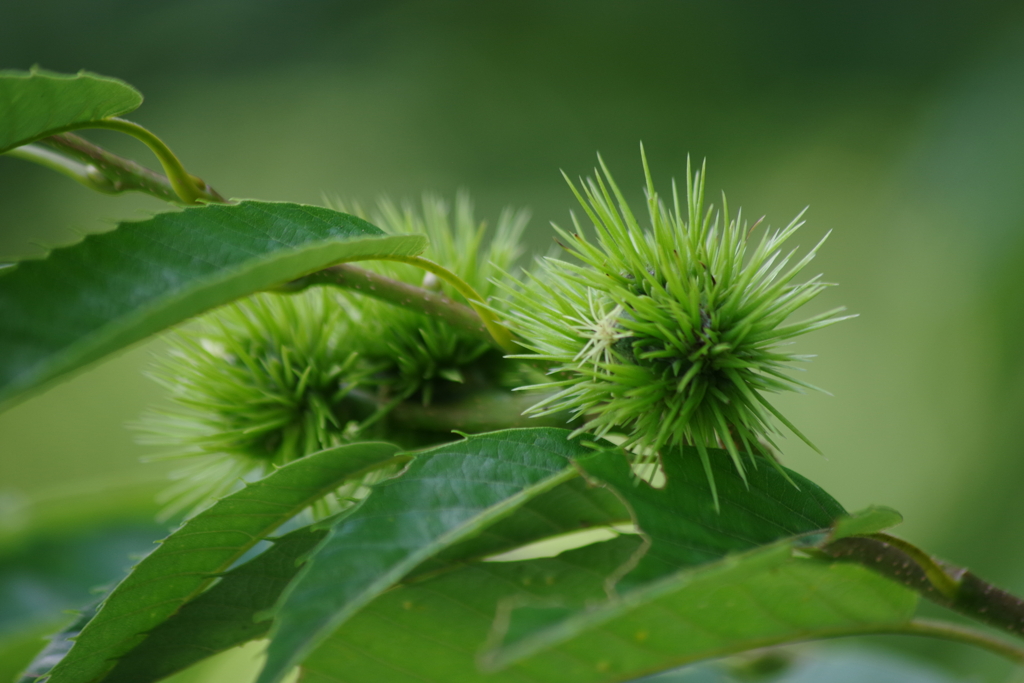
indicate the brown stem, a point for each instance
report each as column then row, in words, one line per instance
column 970, row 595
column 121, row 174
column 400, row 294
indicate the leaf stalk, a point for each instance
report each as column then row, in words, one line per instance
column 100, row 170
column 501, row 334
column 115, row 172
column 477, row 318
column 398, row 293
column 188, row 187
column 85, row 174
column 952, row 587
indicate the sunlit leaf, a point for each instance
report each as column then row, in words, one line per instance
column 202, row 548
column 754, row 599
column 715, row 583
column 225, row 615
column 436, row 631
column 449, row 493
column 221, row 618
column 684, row 528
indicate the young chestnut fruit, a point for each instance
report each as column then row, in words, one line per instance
column 669, row 335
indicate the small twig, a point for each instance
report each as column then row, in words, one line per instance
column 122, row 175
column 189, row 188
column 85, row 174
column 400, row 294
column 960, row 589
column 102, row 171
column 502, row 335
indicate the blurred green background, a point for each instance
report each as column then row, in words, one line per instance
column 900, row 124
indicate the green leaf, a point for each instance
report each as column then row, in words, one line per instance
column 681, row 519
column 114, row 289
column 756, row 599
column 224, row 616
column 449, row 493
column 569, row 507
column 36, row 104
column 202, row 548
column 221, row 618
column 435, row 631
column 684, row 526
column 868, row 521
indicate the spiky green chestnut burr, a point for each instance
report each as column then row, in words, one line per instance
column 669, row 334
column 275, row 377
column 427, row 359
column 256, row 385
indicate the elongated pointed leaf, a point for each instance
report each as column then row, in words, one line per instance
column 205, row 546
column 450, row 493
column 681, row 519
column 111, row 290
column 684, row 526
column 684, row 530
column 221, row 618
column 38, row 103
column 225, row 615
column 760, row 598
column 567, row 508
column 435, row 631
